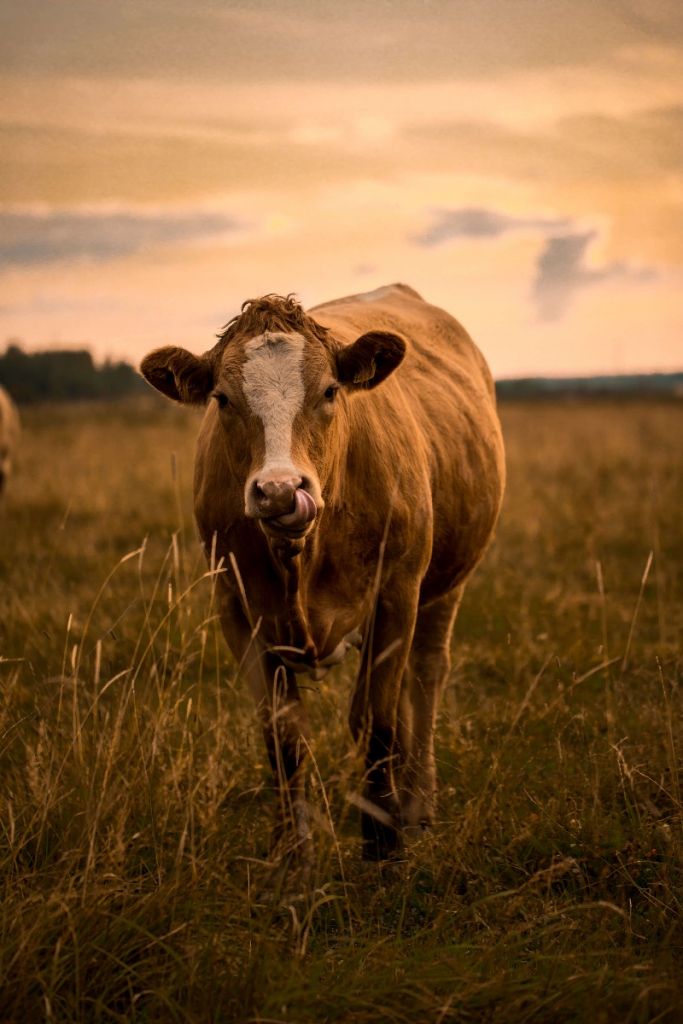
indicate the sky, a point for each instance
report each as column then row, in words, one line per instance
column 518, row 162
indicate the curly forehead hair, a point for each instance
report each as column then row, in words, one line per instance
column 272, row 313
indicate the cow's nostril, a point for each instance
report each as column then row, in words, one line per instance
column 274, row 487
column 275, row 495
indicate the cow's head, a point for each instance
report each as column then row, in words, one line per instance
column 280, row 382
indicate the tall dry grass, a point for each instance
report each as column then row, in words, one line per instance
column 135, row 796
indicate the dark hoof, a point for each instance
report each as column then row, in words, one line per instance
column 380, row 841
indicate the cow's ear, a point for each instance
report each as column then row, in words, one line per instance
column 178, row 374
column 370, row 359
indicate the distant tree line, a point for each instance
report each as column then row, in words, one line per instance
column 617, row 385
column 65, row 376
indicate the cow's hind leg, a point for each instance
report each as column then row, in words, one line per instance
column 427, row 670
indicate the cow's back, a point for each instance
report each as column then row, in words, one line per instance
column 448, row 388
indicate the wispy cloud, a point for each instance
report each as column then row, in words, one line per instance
column 562, row 268
column 478, row 222
column 561, row 271
column 313, row 39
column 28, row 238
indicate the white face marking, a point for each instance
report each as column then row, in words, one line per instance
column 274, row 389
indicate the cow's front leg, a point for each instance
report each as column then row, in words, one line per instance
column 285, row 728
column 286, row 733
column 374, row 720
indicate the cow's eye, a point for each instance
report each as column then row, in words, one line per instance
column 331, row 392
column 222, row 399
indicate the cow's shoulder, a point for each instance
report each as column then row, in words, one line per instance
column 438, row 346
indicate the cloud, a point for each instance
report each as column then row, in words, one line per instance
column 33, row 238
column 478, row 222
column 562, row 268
column 75, row 166
column 582, row 150
column 561, row 271
column 313, row 39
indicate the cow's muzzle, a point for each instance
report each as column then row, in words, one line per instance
column 282, row 503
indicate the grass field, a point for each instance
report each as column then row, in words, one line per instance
column 135, row 802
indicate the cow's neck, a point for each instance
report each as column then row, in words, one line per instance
column 287, row 555
column 291, row 558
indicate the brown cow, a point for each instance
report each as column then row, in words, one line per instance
column 345, row 516
column 9, row 435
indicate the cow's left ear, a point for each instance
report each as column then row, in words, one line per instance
column 178, row 374
column 370, row 359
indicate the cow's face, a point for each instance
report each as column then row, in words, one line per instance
column 277, row 395
column 280, row 397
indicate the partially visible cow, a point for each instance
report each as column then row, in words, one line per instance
column 349, row 473
column 9, row 436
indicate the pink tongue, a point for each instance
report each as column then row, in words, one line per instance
column 304, row 510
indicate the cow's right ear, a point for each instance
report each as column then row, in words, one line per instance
column 178, row 374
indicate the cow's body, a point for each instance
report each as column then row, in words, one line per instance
column 9, row 435
column 404, row 484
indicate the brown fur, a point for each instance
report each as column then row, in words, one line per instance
column 9, row 436
column 270, row 313
column 411, row 474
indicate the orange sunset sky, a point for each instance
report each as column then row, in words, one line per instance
column 519, row 162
